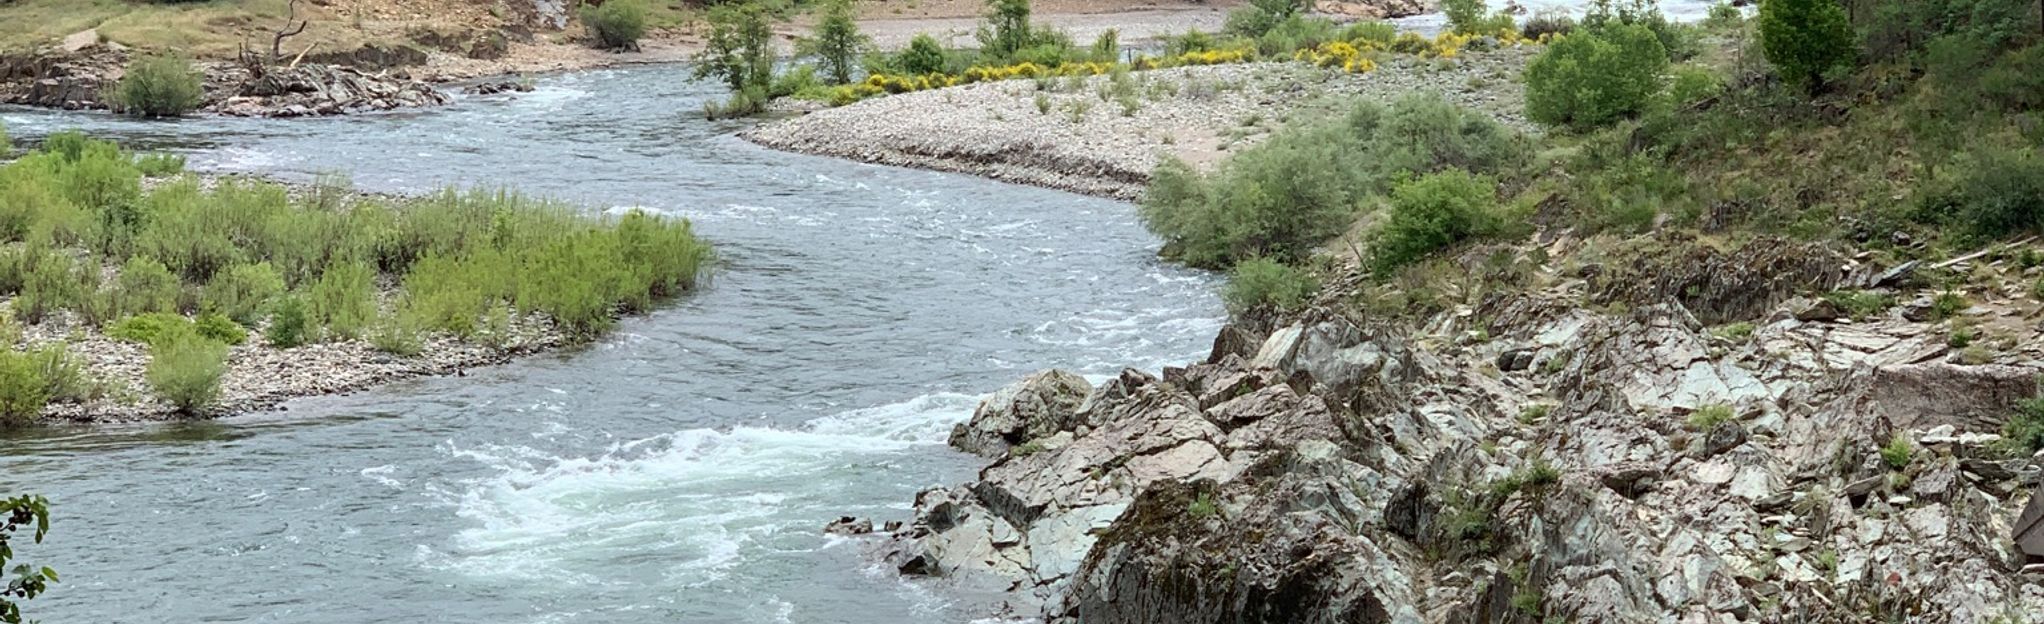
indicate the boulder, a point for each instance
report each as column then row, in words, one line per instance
column 1038, row 406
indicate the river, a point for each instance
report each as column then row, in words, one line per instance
column 679, row 470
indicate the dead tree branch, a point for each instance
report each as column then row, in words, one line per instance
column 277, row 42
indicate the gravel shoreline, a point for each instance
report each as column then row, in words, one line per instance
column 1076, row 135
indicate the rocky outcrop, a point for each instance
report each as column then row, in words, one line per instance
column 308, row 90
column 1628, row 465
column 1032, row 409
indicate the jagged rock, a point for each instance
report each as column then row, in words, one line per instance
column 80, row 40
column 1044, row 403
column 1722, row 438
column 1515, row 360
column 1233, row 340
column 847, row 525
column 1373, row 9
column 308, row 90
column 494, row 87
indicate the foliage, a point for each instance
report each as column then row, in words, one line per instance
column 186, row 372
column 2025, row 429
column 1898, row 29
column 1595, row 76
column 17, row 513
column 1281, row 197
column 230, row 251
column 158, row 86
column 739, row 50
column 1724, row 15
column 159, row 165
column 1897, row 452
column 1708, row 417
column 1805, row 39
column 220, row 329
column 837, row 42
column 1007, row 36
column 1203, row 506
column 1677, row 40
column 923, row 56
column 397, row 336
column 1260, row 282
column 616, row 24
column 1989, row 193
column 1860, row 304
column 1473, row 17
column 151, row 329
column 1433, row 212
column 1548, row 22
column 23, row 391
column 288, row 324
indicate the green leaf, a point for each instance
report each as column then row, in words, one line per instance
column 49, row 574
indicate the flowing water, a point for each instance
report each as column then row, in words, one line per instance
column 678, row 471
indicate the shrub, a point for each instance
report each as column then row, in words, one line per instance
column 241, row 292
column 1280, row 198
column 1676, row 40
column 287, row 324
column 1724, row 15
column 160, row 165
column 23, row 393
column 343, row 300
column 186, row 372
column 1989, row 193
column 1805, row 39
column 837, row 42
column 616, row 24
column 1693, row 83
column 219, row 328
column 151, row 329
column 144, row 285
column 1259, row 282
column 2025, row 430
column 395, row 336
column 739, row 50
column 1595, row 77
column 1433, row 212
column 158, row 86
column 1548, row 22
column 63, row 377
column 923, row 56
column 1259, row 16
column 1473, row 17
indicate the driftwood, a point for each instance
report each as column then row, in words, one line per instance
column 288, row 31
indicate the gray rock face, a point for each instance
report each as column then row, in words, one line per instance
column 1043, row 404
column 1347, row 471
column 325, row 90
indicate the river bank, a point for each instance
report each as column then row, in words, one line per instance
column 1104, row 135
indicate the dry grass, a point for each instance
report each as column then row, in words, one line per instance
column 200, row 29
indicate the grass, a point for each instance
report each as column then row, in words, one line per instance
column 200, row 29
column 1897, row 452
column 1709, row 417
column 196, row 265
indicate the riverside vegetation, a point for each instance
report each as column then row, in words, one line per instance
column 1748, row 329
column 91, row 255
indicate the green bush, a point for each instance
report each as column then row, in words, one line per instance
column 160, row 165
column 1258, row 282
column 1805, row 39
column 158, row 86
column 923, row 56
column 1473, row 17
column 288, row 327
column 616, row 24
column 343, row 300
column 837, row 42
column 1434, row 212
column 144, row 285
column 151, row 329
column 1548, row 21
column 1990, row 193
column 2025, row 430
column 1595, row 76
column 396, row 336
column 186, row 372
column 1282, row 197
column 1677, row 40
column 1723, row 16
column 242, row 291
column 23, row 392
column 1260, row 16
column 219, row 328
column 1694, row 83
column 739, row 50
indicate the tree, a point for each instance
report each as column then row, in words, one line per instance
column 617, row 24
column 1595, row 76
column 739, row 50
column 1007, row 29
column 837, row 43
column 1804, row 39
column 24, row 582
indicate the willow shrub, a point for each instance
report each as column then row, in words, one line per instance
column 1434, row 212
column 1260, row 282
column 23, row 391
column 158, row 86
column 1281, row 198
column 186, row 372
